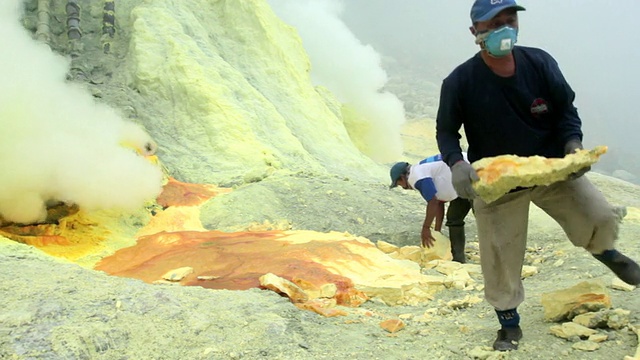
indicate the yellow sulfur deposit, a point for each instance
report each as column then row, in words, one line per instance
column 502, row 173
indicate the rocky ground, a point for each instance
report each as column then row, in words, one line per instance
column 56, row 310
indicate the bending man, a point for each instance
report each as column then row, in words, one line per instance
column 432, row 178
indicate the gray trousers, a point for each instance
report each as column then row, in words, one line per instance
column 577, row 205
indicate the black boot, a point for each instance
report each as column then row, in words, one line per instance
column 508, row 338
column 456, row 235
column 510, row 333
column 626, row 269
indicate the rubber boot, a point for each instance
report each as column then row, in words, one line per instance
column 510, row 334
column 456, row 235
column 626, row 269
column 508, row 338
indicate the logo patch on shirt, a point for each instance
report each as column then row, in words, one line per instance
column 539, row 107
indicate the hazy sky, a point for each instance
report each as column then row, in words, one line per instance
column 594, row 41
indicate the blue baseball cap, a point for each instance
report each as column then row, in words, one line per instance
column 484, row 10
column 397, row 170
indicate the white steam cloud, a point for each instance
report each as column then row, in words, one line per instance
column 350, row 70
column 56, row 142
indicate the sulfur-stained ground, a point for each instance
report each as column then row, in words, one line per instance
column 57, row 310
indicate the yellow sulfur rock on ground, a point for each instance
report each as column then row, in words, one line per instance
column 502, row 173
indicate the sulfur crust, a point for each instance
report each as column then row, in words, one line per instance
column 500, row 174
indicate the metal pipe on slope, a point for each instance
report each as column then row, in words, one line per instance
column 73, row 20
column 108, row 24
column 43, row 29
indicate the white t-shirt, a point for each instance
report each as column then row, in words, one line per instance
column 432, row 178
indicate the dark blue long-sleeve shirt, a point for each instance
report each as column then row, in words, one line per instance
column 529, row 113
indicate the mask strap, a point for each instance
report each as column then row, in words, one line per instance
column 481, row 37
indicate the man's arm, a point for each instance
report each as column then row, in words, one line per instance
column 448, row 123
column 569, row 123
column 435, row 210
column 427, row 189
column 439, row 216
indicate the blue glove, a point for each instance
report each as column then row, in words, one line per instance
column 462, row 176
column 571, row 147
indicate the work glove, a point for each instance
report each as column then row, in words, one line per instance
column 571, row 147
column 462, row 176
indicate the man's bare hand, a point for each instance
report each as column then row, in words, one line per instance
column 427, row 238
